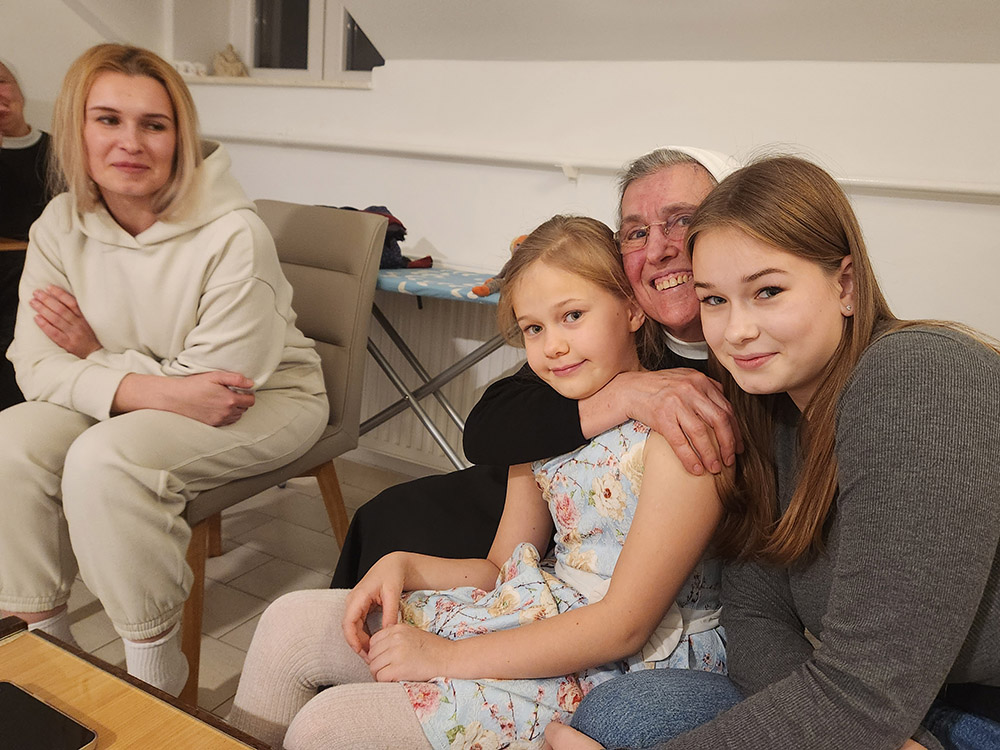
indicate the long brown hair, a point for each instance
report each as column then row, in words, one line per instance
column 795, row 206
column 587, row 248
column 68, row 168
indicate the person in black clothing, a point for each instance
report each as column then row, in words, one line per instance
column 520, row 419
column 24, row 154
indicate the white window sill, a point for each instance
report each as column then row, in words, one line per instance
column 365, row 84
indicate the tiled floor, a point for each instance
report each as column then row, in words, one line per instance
column 276, row 542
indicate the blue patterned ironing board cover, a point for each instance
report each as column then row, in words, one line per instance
column 443, row 283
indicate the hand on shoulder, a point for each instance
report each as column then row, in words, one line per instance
column 688, row 409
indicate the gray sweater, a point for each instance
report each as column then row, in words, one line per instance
column 906, row 597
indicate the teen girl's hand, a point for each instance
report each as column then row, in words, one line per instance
column 403, row 652
column 382, row 587
column 59, row 317
column 562, row 737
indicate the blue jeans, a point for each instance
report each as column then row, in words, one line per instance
column 642, row 708
column 958, row 730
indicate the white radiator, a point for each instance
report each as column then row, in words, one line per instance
column 439, row 334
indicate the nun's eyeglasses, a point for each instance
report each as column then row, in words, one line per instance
column 633, row 239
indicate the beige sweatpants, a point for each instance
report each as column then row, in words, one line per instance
column 299, row 647
column 108, row 495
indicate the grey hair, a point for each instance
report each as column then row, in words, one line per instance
column 651, row 163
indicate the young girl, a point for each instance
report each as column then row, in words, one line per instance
column 871, row 501
column 482, row 648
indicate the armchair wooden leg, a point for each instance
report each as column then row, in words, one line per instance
column 329, row 487
column 191, row 622
column 214, row 535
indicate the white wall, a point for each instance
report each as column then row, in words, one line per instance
column 140, row 23
column 41, row 38
column 875, row 119
column 882, row 121
column 926, row 123
column 200, row 29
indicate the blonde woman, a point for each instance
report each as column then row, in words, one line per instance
column 156, row 346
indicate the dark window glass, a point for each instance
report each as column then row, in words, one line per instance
column 282, row 34
column 361, row 53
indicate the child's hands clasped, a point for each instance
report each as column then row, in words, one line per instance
column 403, row 652
column 382, row 587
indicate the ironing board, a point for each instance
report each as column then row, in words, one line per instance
column 441, row 283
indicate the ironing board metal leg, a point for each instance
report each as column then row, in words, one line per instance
column 416, row 365
column 438, row 381
column 414, row 404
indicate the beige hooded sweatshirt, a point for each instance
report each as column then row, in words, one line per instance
column 198, row 293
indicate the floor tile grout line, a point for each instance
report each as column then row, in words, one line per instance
column 270, row 558
column 241, row 624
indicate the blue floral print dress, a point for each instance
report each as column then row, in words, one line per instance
column 592, row 495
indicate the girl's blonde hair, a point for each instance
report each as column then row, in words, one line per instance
column 795, row 206
column 585, row 247
column 68, row 169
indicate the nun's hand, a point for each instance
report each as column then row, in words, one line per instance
column 60, row 319
column 688, row 409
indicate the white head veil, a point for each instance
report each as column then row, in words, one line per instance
column 13, row 71
column 718, row 164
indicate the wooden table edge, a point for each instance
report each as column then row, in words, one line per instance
column 10, row 626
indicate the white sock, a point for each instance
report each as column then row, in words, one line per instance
column 58, row 627
column 160, row 663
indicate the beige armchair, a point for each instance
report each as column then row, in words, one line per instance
column 331, row 257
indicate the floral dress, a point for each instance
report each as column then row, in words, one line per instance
column 592, row 495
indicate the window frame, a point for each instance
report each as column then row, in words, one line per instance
column 327, row 45
column 244, row 25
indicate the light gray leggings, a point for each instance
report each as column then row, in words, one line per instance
column 297, row 648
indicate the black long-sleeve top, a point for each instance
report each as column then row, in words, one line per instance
column 520, row 419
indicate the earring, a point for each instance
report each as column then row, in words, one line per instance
column 849, row 308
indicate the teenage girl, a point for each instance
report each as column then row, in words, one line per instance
column 870, row 513
column 488, row 651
